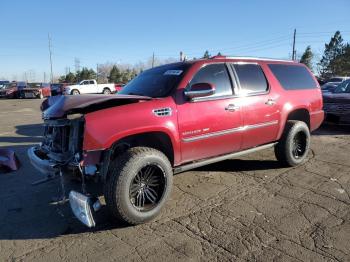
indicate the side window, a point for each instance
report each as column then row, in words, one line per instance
column 91, row 82
column 293, row 77
column 85, row 83
column 251, row 77
column 217, row 75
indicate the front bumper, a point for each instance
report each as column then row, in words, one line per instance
column 45, row 166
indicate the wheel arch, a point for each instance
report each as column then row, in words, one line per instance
column 156, row 139
column 300, row 114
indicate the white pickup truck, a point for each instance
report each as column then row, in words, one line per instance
column 89, row 86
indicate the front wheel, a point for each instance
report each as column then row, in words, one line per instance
column 294, row 145
column 139, row 183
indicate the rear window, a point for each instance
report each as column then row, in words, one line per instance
column 293, row 77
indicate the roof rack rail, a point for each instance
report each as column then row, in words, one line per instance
column 251, row 58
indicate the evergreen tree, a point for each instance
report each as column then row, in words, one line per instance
column 206, row 55
column 307, row 57
column 333, row 51
column 115, row 75
column 85, row 73
column 342, row 62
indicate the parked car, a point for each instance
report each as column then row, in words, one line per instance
column 3, row 83
column 337, row 79
column 329, row 87
column 35, row 90
column 118, row 87
column 173, row 118
column 337, row 103
column 56, row 89
column 12, row 89
column 89, row 86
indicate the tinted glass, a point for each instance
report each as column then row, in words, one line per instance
column 293, row 77
column 335, row 79
column 343, row 87
column 156, row 82
column 251, row 78
column 92, row 82
column 217, row 75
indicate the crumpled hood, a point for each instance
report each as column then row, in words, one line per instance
column 60, row 106
column 336, row 97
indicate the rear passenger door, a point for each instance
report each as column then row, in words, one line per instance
column 260, row 112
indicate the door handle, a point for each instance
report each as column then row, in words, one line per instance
column 270, row 102
column 231, row 108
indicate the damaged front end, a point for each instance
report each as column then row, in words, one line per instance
column 61, row 153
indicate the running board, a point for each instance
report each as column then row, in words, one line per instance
column 220, row 158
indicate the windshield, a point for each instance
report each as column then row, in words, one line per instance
column 343, row 87
column 156, row 82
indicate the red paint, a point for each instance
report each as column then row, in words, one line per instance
column 191, row 119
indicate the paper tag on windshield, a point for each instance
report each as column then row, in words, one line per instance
column 173, row 72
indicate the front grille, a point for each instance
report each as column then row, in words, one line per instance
column 63, row 138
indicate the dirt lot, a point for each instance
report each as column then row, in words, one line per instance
column 246, row 209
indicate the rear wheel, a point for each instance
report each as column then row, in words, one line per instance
column 294, row 145
column 106, row 91
column 75, row 92
column 138, row 185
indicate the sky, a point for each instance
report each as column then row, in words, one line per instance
column 128, row 32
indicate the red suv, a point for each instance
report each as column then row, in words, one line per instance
column 173, row 118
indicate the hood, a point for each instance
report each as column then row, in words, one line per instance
column 60, row 106
column 329, row 97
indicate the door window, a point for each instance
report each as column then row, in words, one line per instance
column 217, row 75
column 251, row 78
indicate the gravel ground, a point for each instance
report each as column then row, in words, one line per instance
column 240, row 209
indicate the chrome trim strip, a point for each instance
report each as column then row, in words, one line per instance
column 229, row 131
column 271, row 123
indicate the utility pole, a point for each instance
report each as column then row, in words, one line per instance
column 97, row 73
column 50, row 52
column 294, row 55
column 77, row 64
column 44, row 77
column 181, row 56
column 153, row 60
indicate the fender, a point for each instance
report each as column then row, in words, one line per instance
column 105, row 127
column 285, row 111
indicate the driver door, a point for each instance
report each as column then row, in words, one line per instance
column 211, row 125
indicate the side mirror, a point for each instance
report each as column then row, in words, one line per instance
column 200, row 90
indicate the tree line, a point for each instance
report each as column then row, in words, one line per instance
column 116, row 75
column 335, row 60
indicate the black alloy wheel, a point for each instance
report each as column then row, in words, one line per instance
column 147, row 188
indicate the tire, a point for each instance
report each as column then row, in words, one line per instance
column 75, row 92
column 122, row 188
column 106, row 91
column 293, row 147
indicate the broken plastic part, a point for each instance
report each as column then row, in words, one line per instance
column 9, row 159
